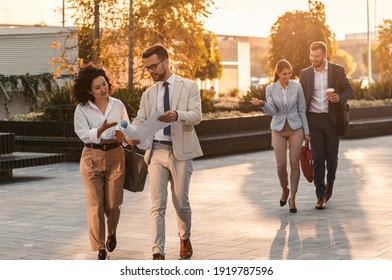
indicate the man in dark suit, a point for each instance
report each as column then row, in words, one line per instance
column 322, row 114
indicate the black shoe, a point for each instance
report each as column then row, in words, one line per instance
column 328, row 192
column 283, row 202
column 102, row 254
column 111, row 243
column 292, row 209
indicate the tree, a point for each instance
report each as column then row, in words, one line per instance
column 384, row 49
column 178, row 26
column 292, row 34
column 175, row 24
column 212, row 67
column 106, row 46
column 346, row 60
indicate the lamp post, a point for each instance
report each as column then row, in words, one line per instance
column 63, row 13
column 375, row 20
column 130, row 47
column 369, row 47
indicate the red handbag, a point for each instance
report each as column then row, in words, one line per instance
column 307, row 162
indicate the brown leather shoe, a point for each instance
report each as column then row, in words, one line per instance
column 158, row 256
column 320, row 203
column 328, row 191
column 186, row 250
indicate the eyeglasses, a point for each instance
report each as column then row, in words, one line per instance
column 154, row 66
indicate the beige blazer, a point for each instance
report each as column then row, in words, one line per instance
column 187, row 102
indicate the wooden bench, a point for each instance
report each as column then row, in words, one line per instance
column 234, row 135
column 9, row 159
column 48, row 137
column 370, row 122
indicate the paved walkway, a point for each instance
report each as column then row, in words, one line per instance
column 236, row 213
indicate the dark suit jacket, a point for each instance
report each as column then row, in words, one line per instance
column 337, row 79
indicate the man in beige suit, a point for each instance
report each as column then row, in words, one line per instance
column 170, row 157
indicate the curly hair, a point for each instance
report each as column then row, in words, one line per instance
column 83, row 80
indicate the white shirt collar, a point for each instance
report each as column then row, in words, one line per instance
column 325, row 67
column 170, row 80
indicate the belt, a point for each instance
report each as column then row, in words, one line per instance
column 318, row 114
column 169, row 143
column 103, row 147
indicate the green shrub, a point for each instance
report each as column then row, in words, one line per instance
column 131, row 99
column 207, row 101
column 379, row 90
column 244, row 103
column 57, row 104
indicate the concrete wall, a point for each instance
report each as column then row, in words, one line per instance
column 29, row 49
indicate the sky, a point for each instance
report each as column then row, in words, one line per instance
column 231, row 17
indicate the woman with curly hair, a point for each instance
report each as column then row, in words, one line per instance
column 102, row 161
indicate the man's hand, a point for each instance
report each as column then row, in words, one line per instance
column 335, row 98
column 132, row 142
column 169, row 116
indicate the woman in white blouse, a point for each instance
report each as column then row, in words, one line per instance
column 286, row 103
column 102, row 161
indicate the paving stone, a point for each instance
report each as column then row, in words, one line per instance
column 236, row 212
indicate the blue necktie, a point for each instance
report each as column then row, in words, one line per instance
column 166, row 106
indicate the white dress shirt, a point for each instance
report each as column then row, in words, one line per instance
column 319, row 101
column 88, row 119
column 284, row 94
column 161, row 92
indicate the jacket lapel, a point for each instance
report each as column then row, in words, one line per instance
column 330, row 74
column 152, row 99
column 178, row 83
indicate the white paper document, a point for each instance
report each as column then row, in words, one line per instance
column 145, row 131
column 151, row 126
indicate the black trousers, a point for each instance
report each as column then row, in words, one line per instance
column 325, row 146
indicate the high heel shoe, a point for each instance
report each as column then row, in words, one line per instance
column 292, row 209
column 283, row 202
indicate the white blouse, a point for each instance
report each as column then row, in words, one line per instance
column 88, row 119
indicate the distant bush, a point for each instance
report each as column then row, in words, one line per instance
column 57, row 104
column 207, row 101
column 131, row 99
column 244, row 102
column 379, row 90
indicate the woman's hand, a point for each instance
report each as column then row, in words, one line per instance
column 132, row 142
column 257, row 102
column 307, row 139
column 105, row 126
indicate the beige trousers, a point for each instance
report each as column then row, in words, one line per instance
column 103, row 178
column 280, row 140
column 164, row 167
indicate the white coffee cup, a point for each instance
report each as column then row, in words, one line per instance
column 330, row 92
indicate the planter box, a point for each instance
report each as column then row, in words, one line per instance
column 217, row 137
